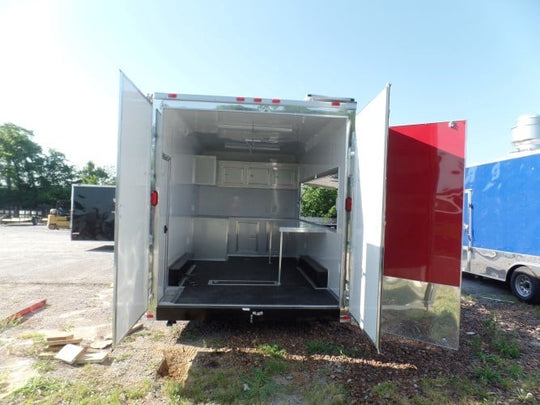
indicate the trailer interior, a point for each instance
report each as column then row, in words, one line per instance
column 234, row 243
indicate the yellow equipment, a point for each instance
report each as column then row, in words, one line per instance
column 58, row 219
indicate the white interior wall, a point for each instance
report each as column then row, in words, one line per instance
column 326, row 154
column 246, row 202
column 182, row 194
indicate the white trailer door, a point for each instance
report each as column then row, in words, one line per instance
column 132, row 208
column 368, row 195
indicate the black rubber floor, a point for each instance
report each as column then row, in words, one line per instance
column 293, row 291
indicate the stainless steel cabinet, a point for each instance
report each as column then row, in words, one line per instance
column 210, row 238
column 204, row 170
column 284, row 176
column 231, row 174
column 257, row 175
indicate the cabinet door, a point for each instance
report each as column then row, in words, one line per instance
column 258, row 176
column 283, row 177
column 210, row 238
column 247, row 236
column 204, row 170
column 231, row 174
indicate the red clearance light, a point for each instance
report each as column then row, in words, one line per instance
column 149, row 316
column 257, row 100
column 348, row 204
column 172, row 95
column 276, row 100
column 154, row 198
column 240, row 99
column 336, row 103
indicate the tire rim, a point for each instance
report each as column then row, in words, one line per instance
column 523, row 285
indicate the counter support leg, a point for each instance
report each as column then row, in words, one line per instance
column 280, row 257
column 270, row 246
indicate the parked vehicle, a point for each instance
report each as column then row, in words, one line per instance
column 501, row 237
column 208, row 214
column 92, row 209
column 59, row 217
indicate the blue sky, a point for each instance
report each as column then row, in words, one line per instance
column 474, row 60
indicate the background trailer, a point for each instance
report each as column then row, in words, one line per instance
column 501, row 235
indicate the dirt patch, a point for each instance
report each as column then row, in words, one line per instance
column 498, row 359
column 224, row 362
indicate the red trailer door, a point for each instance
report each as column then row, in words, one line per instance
column 422, row 246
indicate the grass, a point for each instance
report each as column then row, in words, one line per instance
column 44, row 366
column 272, row 350
column 331, row 349
column 386, row 390
column 502, row 343
column 8, row 324
column 47, row 390
column 325, row 394
column 495, row 353
column 257, row 384
column 203, row 386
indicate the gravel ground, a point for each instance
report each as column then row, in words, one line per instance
column 76, row 279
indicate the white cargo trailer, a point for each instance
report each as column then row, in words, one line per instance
column 208, row 211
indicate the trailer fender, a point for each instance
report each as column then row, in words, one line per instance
column 532, row 268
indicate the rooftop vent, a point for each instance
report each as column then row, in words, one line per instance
column 526, row 133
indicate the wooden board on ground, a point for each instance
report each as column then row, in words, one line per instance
column 59, row 336
column 47, row 355
column 98, row 357
column 70, row 353
column 135, row 328
column 101, row 344
column 64, row 342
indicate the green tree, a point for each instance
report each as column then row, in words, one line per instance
column 56, row 178
column 318, row 202
column 92, row 174
column 21, row 160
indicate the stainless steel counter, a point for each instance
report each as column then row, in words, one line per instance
column 299, row 227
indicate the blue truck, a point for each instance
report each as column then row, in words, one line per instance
column 501, row 233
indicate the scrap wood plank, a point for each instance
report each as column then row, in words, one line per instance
column 47, row 355
column 70, row 353
column 26, row 311
column 59, row 336
column 64, row 342
column 95, row 357
column 135, row 328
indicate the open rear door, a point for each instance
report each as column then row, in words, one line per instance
column 367, row 218
column 423, row 234
column 132, row 226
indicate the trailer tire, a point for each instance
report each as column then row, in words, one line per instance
column 525, row 286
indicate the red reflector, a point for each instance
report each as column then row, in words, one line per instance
column 149, row 316
column 345, row 318
column 336, row 103
column 240, row 99
column 172, row 95
column 348, row 204
column 154, row 198
column 276, row 100
column 257, row 100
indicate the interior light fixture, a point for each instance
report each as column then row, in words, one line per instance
column 255, row 128
column 251, row 147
